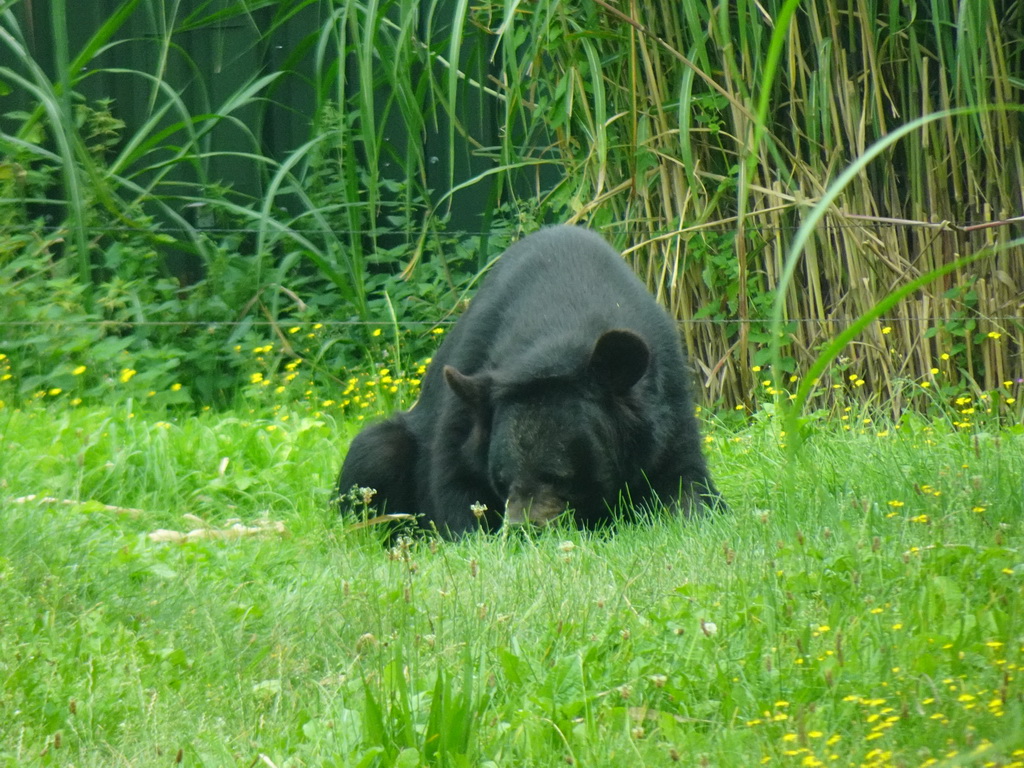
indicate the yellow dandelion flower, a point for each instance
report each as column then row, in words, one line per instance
column 79, row 370
column 54, row 392
column 376, row 332
column 887, row 330
column 126, row 375
column 175, row 386
column 994, row 335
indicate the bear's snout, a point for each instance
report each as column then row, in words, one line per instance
column 538, row 509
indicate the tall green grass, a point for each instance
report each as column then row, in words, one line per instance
column 860, row 606
column 697, row 136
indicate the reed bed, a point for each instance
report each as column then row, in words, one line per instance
column 700, row 135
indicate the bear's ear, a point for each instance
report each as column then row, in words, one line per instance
column 619, row 360
column 472, row 390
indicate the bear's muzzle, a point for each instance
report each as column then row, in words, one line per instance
column 537, row 510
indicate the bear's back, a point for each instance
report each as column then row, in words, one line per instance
column 562, row 271
column 541, row 309
column 559, row 288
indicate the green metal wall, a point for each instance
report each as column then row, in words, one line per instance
column 208, row 63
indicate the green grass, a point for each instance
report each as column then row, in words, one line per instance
column 859, row 606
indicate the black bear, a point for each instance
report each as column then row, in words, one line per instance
column 562, row 387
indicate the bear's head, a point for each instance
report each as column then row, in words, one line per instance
column 549, row 442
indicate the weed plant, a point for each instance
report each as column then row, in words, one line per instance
column 861, row 605
column 697, row 136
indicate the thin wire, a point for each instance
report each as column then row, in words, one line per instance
column 307, row 324
column 724, row 228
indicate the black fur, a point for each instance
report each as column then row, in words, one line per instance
column 563, row 385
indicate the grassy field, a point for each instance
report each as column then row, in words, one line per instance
column 861, row 605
